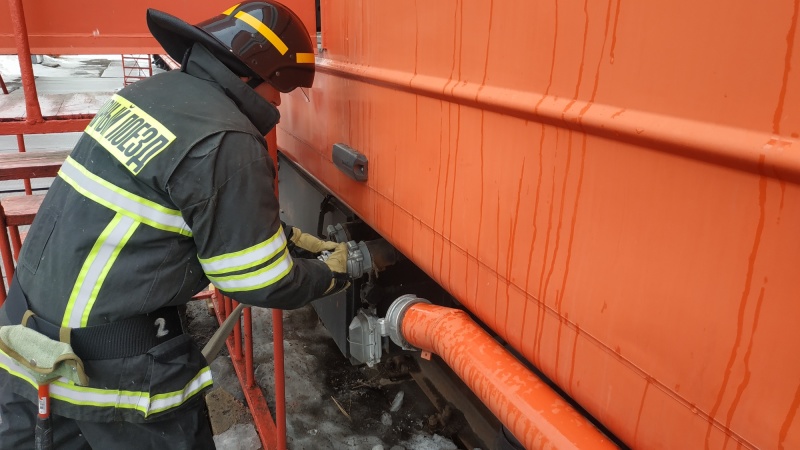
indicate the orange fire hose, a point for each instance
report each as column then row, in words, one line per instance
column 536, row 415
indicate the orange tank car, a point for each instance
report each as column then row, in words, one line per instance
column 610, row 186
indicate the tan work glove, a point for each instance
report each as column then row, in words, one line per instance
column 337, row 262
column 313, row 244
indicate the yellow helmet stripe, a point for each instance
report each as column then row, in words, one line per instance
column 228, row 11
column 261, row 28
column 305, row 58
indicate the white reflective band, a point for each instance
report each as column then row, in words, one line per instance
column 246, row 258
column 119, row 200
column 64, row 390
column 95, row 268
column 257, row 279
column 163, row 402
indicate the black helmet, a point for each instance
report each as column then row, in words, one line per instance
column 252, row 38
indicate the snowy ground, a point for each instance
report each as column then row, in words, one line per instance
column 331, row 405
column 73, row 66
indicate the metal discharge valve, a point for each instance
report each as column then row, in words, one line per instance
column 359, row 261
column 364, row 256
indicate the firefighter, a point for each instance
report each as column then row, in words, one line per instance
column 169, row 187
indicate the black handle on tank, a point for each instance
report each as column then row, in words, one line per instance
column 354, row 164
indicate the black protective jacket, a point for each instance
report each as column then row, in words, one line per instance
column 169, row 187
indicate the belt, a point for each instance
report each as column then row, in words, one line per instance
column 125, row 338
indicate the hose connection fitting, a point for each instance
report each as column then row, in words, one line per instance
column 366, row 331
column 394, row 319
column 359, row 261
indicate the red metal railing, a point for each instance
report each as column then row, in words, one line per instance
column 135, row 68
column 20, row 142
column 34, row 122
column 272, row 434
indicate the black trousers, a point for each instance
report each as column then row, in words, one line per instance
column 188, row 429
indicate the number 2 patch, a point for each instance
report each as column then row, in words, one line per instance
column 162, row 327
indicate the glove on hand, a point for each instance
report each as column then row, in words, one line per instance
column 337, row 262
column 312, row 243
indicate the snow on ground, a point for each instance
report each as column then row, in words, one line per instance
column 52, row 69
column 87, row 66
column 239, row 436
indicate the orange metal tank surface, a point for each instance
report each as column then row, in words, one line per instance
column 611, row 186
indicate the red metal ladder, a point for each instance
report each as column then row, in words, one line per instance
column 135, row 68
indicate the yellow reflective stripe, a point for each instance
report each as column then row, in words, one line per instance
column 104, row 273
column 145, row 202
column 247, row 258
column 264, row 30
column 121, row 201
column 305, row 58
column 228, row 11
column 140, row 401
column 24, row 376
column 71, row 393
column 95, row 268
column 163, row 402
column 258, row 279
